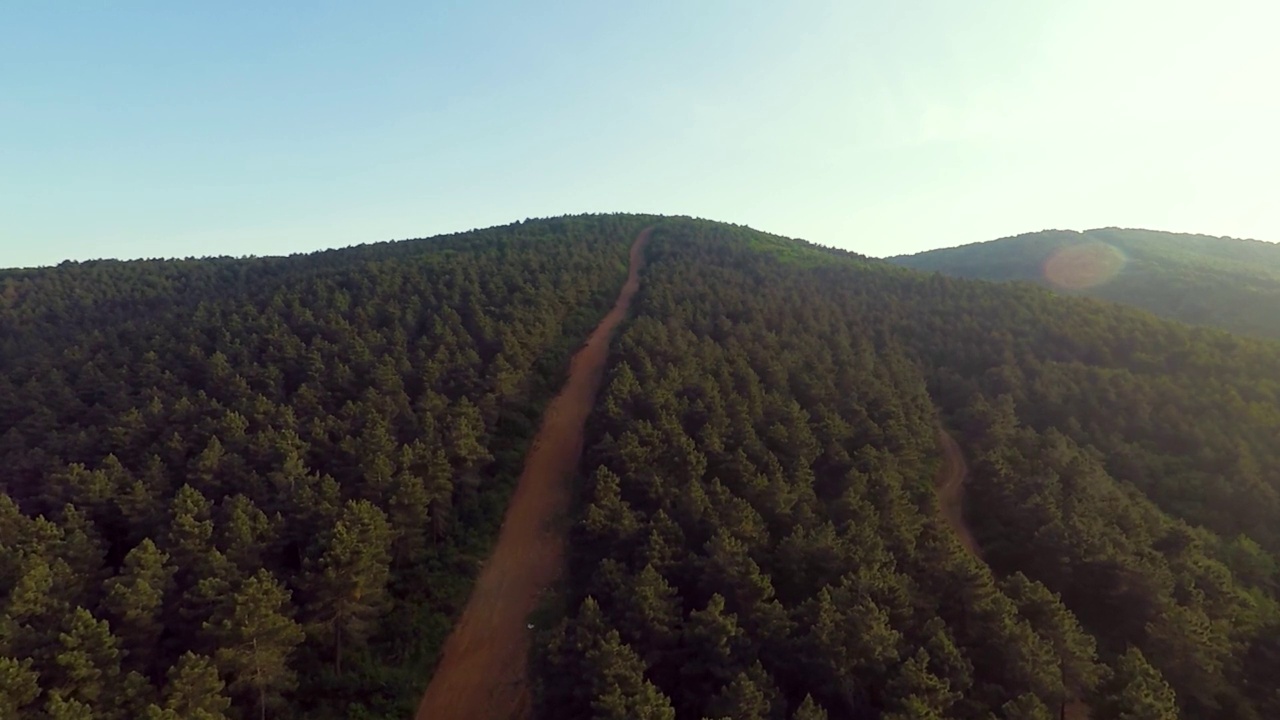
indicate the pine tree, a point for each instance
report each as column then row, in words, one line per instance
column 616, row 677
column 729, row 569
column 349, row 584
column 438, row 481
column 650, row 614
column 246, row 533
column 465, row 437
column 255, row 637
column 647, row 703
column 82, row 548
column 809, row 710
column 710, row 640
column 562, row 655
column 608, row 521
column 87, row 660
column 914, row 686
column 1190, row 650
column 141, row 508
column 1026, row 707
column 1077, row 663
column 135, row 599
column 741, row 699
column 206, row 469
column 33, row 610
column 1135, row 691
column 408, row 510
column 194, row 692
column 59, row 706
column 215, row 578
column 914, row 709
column 133, row 694
column 848, row 643
column 190, row 531
column 19, row 686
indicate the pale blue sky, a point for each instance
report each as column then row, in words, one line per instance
column 143, row 129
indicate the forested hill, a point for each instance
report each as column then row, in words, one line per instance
column 1223, row 282
column 245, row 486
column 237, row 488
column 758, row 536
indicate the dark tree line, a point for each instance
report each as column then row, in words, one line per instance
column 245, row 487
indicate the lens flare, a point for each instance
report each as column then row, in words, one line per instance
column 1083, row 266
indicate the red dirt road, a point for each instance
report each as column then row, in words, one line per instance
column 481, row 675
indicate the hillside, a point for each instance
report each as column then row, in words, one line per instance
column 232, row 484
column 247, row 487
column 1222, row 282
column 759, row 538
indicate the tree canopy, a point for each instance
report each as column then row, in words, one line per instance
column 243, row 487
column 757, row 523
column 256, row 488
column 1213, row 281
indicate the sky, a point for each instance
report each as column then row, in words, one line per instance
column 150, row 129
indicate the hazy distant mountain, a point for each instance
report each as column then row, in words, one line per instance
column 1220, row 281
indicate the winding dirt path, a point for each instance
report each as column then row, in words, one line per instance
column 481, row 675
column 950, row 488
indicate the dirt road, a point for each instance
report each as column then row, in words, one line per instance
column 950, row 488
column 481, row 675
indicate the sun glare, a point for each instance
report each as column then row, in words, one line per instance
column 1084, row 266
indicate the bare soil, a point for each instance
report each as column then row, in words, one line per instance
column 482, row 673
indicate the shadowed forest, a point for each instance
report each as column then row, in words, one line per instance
column 263, row 487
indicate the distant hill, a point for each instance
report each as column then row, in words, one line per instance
column 1218, row 281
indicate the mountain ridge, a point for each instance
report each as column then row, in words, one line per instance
column 1225, row 282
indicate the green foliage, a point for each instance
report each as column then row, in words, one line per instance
column 255, row 637
column 19, row 686
column 757, row 522
column 809, row 710
column 349, row 586
column 135, row 598
column 194, row 692
column 1220, row 282
column 87, row 661
column 1135, row 691
column 262, row 487
column 347, row 422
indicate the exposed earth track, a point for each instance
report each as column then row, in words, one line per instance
column 950, row 488
column 482, row 673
